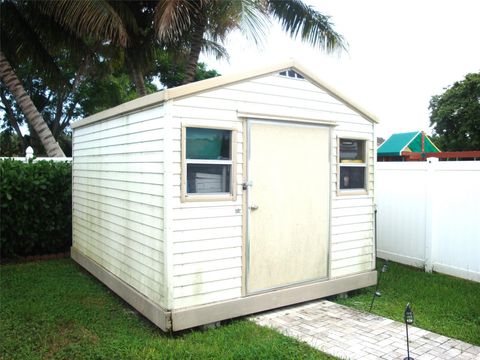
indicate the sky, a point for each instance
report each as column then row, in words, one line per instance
column 400, row 54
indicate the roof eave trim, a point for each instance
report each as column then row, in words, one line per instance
column 413, row 138
column 335, row 93
column 181, row 91
column 128, row 107
column 388, row 154
column 209, row 84
column 431, row 142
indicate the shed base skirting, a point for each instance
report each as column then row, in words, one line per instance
column 204, row 314
column 143, row 305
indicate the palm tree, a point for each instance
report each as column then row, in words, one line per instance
column 32, row 29
column 301, row 20
column 35, row 119
column 203, row 24
column 202, row 20
column 144, row 47
column 190, row 25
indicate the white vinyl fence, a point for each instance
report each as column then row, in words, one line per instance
column 428, row 215
column 29, row 155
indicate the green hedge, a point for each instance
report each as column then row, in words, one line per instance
column 36, row 208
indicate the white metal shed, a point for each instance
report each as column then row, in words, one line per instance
column 227, row 196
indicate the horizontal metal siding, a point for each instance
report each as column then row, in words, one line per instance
column 352, row 224
column 352, row 228
column 207, row 236
column 118, row 198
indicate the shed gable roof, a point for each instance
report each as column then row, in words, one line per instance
column 216, row 82
column 409, row 141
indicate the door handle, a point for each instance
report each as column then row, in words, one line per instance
column 246, row 184
column 253, row 207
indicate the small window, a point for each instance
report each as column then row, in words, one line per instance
column 353, row 164
column 291, row 74
column 208, row 162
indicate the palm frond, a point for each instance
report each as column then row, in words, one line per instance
column 174, row 17
column 127, row 16
column 301, row 20
column 243, row 15
column 253, row 22
column 55, row 38
column 86, row 18
column 20, row 40
column 215, row 49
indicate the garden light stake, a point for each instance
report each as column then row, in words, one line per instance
column 408, row 318
column 377, row 292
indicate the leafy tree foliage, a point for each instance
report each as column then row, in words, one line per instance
column 10, row 144
column 36, row 32
column 455, row 115
column 172, row 72
column 74, row 58
column 105, row 85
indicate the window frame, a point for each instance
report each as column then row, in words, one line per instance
column 230, row 196
column 365, row 165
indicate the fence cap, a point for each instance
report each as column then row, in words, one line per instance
column 29, row 152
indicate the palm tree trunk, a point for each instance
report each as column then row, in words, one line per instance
column 139, row 81
column 136, row 75
column 195, row 49
column 8, row 76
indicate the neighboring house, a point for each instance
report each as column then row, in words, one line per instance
column 227, row 196
column 406, row 147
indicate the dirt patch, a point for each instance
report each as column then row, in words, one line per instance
column 67, row 334
column 30, row 258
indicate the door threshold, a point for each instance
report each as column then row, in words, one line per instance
column 283, row 287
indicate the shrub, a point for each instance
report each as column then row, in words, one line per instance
column 35, row 205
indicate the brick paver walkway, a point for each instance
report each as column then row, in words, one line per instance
column 350, row 334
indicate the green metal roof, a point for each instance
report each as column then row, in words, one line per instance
column 410, row 141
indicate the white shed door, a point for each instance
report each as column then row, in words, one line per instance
column 289, row 204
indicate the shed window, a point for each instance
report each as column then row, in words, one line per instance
column 208, row 161
column 352, row 164
column 291, row 74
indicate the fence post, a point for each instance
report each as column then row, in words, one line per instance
column 28, row 154
column 429, row 216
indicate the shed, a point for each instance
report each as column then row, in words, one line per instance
column 400, row 146
column 227, row 196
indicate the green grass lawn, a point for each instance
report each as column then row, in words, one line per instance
column 55, row 310
column 443, row 304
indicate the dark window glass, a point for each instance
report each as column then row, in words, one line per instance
column 208, row 144
column 203, row 178
column 352, row 151
column 352, row 177
column 291, row 73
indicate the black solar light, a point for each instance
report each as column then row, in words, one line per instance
column 408, row 318
column 377, row 292
column 385, row 266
